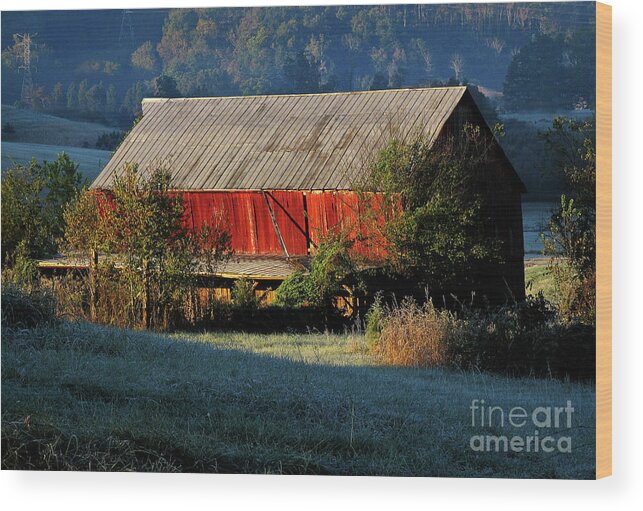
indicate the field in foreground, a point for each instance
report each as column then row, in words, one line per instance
column 85, row 397
column 90, row 161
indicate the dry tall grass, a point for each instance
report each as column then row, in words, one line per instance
column 414, row 335
column 521, row 339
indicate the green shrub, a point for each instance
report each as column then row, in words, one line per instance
column 330, row 270
column 374, row 319
column 244, row 294
column 33, row 199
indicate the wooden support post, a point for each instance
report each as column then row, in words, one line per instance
column 274, row 223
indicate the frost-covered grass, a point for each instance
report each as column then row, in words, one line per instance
column 85, row 397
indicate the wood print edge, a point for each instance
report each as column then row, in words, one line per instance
column 603, row 240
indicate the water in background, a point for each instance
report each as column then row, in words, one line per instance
column 534, row 218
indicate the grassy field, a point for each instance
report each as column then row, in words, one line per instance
column 90, row 161
column 38, row 128
column 78, row 396
column 538, row 278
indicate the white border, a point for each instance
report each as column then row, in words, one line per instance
column 51, row 491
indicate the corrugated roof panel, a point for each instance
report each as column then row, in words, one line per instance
column 307, row 142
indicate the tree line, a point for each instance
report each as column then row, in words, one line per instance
column 212, row 52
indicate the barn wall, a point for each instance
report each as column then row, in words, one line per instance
column 248, row 218
column 303, row 218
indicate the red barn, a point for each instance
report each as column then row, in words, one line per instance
column 282, row 168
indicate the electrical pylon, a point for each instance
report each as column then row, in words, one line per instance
column 26, row 93
column 126, row 26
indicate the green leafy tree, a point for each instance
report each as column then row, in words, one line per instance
column 570, row 237
column 165, row 87
column 302, row 73
column 439, row 235
column 331, row 269
column 95, row 98
column 140, row 223
column 552, row 72
column 72, row 96
column 57, row 96
column 111, row 99
column 33, row 201
column 83, row 87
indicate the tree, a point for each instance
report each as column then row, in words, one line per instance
column 111, row 99
column 133, row 98
column 95, row 98
column 57, row 96
column 33, row 199
column 457, row 64
column 439, row 235
column 141, row 224
column 425, row 57
column 144, row 57
column 72, row 96
column 165, row 87
column 330, row 270
column 302, row 74
column 552, row 72
column 496, row 44
column 570, row 237
column 82, row 95
column 352, row 44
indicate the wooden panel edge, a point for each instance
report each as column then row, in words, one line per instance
column 603, row 240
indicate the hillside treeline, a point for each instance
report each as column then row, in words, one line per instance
column 102, row 74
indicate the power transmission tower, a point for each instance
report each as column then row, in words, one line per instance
column 26, row 94
column 126, row 26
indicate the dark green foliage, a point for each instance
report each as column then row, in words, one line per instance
column 165, row 87
column 331, row 269
column 244, row 295
column 524, row 146
column 226, row 51
column 110, row 141
column 571, row 232
column 7, row 131
column 302, row 74
column 33, row 200
column 440, row 234
column 525, row 339
column 553, row 72
column 374, row 320
column 140, row 224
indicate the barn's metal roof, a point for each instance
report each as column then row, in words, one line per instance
column 255, row 267
column 279, row 142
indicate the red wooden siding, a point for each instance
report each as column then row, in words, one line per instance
column 253, row 231
column 302, row 217
column 249, row 221
column 347, row 211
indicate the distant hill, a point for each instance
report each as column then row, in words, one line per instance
column 90, row 161
column 26, row 126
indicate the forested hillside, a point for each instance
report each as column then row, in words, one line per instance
column 105, row 61
column 98, row 65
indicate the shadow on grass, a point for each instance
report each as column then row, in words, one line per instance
column 84, row 397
